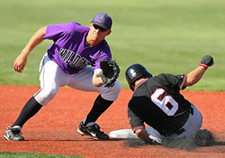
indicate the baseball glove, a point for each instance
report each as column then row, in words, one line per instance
column 110, row 72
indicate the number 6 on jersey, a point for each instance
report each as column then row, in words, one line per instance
column 162, row 104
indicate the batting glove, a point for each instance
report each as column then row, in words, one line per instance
column 206, row 62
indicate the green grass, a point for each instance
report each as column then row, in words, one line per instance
column 165, row 36
column 168, row 36
column 34, row 155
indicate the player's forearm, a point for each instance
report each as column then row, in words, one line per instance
column 194, row 76
column 35, row 40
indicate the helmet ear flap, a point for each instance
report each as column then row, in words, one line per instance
column 130, row 83
column 135, row 72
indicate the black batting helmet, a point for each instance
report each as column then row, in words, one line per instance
column 135, row 72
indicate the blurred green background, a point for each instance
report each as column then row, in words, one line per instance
column 169, row 36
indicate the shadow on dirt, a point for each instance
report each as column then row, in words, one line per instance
column 182, row 144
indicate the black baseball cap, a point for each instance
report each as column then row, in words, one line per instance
column 103, row 20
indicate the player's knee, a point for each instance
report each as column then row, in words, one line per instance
column 45, row 95
column 50, row 93
column 111, row 93
column 115, row 90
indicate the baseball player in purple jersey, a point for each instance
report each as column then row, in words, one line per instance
column 157, row 102
column 66, row 64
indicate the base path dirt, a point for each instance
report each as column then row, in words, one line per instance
column 53, row 129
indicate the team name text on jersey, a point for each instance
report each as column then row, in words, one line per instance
column 77, row 62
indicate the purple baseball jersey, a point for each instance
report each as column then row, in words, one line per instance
column 69, row 50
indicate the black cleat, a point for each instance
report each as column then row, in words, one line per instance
column 93, row 131
column 13, row 134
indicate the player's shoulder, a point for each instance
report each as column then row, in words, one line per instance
column 105, row 45
column 175, row 81
column 104, row 49
column 77, row 27
column 164, row 76
column 170, row 77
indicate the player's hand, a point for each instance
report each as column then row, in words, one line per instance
column 96, row 79
column 206, row 61
column 19, row 63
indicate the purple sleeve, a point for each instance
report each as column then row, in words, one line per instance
column 54, row 32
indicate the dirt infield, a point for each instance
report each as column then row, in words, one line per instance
column 53, row 129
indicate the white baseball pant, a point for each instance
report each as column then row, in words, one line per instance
column 52, row 77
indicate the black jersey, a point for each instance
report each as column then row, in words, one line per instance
column 157, row 102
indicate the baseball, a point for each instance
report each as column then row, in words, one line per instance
column 98, row 72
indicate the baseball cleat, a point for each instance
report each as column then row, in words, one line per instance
column 93, row 131
column 13, row 134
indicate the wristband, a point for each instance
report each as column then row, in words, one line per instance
column 205, row 66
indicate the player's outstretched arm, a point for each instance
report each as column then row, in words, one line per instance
column 21, row 61
column 195, row 75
